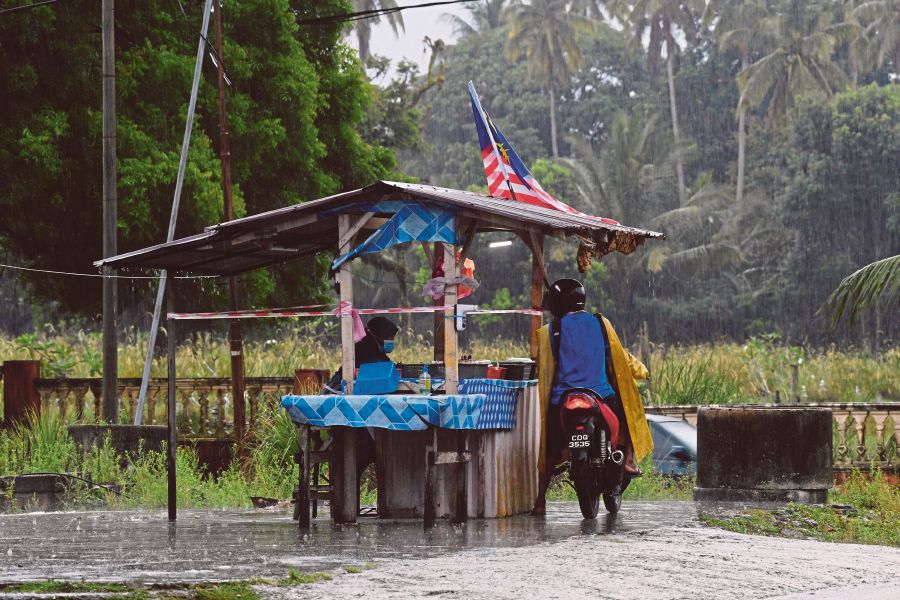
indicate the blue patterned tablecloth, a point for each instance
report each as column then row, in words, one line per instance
column 501, row 396
column 481, row 404
column 397, row 412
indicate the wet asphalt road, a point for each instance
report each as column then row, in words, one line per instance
column 240, row 544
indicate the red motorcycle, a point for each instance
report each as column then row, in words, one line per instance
column 596, row 465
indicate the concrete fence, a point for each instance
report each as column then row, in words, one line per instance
column 205, row 407
column 865, row 434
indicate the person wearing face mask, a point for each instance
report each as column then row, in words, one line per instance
column 374, row 347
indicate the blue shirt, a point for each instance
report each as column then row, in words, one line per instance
column 582, row 356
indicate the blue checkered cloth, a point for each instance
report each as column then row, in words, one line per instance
column 395, row 412
column 411, row 222
column 501, row 395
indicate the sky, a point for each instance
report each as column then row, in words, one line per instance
column 419, row 22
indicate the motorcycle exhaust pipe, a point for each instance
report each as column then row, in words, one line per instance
column 617, row 456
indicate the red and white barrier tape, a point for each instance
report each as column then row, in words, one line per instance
column 509, row 311
column 283, row 313
column 343, row 310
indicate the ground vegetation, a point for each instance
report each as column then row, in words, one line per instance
column 296, row 101
column 861, row 511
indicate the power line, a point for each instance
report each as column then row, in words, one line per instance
column 72, row 274
column 374, row 13
column 25, row 6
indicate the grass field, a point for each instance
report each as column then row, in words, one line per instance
column 703, row 374
column 269, row 471
column 863, row 511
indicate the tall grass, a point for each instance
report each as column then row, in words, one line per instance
column 754, row 371
column 140, row 481
column 709, row 374
column 42, row 445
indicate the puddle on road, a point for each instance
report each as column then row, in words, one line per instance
column 236, row 544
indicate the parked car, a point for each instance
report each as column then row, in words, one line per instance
column 674, row 445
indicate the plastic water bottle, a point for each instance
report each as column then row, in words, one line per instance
column 424, row 381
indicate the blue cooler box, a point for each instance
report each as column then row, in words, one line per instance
column 376, row 378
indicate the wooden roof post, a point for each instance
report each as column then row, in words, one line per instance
column 343, row 463
column 451, row 357
column 538, row 274
column 171, row 423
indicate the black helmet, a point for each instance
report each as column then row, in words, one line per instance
column 565, row 296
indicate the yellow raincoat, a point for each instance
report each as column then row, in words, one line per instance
column 626, row 368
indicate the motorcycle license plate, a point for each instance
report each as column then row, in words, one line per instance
column 580, row 440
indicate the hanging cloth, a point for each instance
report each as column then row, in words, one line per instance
column 412, row 222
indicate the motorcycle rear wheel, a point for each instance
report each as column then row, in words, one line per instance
column 588, row 499
column 612, row 502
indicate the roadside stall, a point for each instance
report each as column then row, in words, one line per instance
column 470, row 449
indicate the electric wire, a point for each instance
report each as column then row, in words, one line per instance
column 26, row 6
column 374, row 13
column 73, row 274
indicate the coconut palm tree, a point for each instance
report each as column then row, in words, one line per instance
column 700, row 240
column 737, row 27
column 801, row 63
column 879, row 21
column 876, row 284
column 610, row 182
column 363, row 27
column 658, row 21
column 546, row 33
column 483, row 16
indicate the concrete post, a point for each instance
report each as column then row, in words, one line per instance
column 776, row 454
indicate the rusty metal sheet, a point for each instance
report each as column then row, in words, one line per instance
column 305, row 229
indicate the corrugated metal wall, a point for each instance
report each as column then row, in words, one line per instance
column 502, row 479
column 503, row 476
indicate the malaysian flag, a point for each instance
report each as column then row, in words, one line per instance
column 504, row 169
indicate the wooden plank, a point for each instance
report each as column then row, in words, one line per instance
column 538, row 276
column 451, row 376
column 344, row 499
column 170, row 413
column 451, row 356
column 302, row 508
column 468, row 238
column 482, row 488
column 345, row 283
column 401, row 473
column 346, row 238
column 428, row 254
column 430, row 509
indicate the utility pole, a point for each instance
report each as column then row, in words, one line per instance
column 234, row 325
column 110, row 305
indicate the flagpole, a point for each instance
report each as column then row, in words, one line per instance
column 487, row 127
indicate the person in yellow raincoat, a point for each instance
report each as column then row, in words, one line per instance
column 580, row 346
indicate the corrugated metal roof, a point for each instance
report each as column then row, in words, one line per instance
column 287, row 233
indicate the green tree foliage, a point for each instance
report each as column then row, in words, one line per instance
column 545, row 33
column 661, row 21
column 876, row 283
column 294, row 106
column 841, row 195
column 483, row 16
column 363, row 27
column 801, row 64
